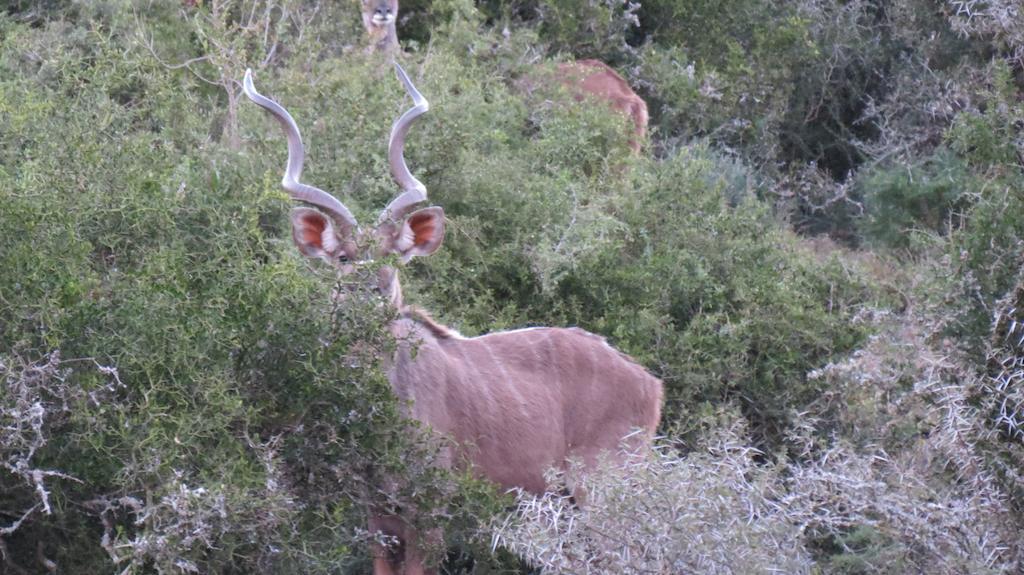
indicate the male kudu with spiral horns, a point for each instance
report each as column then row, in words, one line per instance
column 516, row 403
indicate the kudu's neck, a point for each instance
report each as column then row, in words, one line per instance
column 390, row 287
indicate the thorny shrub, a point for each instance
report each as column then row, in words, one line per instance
column 719, row 508
column 911, row 396
column 711, row 511
column 1001, row 394
column 36, row 402
column 255, row 423
column 1000, row 20
column 178, row 524
column 910, row 462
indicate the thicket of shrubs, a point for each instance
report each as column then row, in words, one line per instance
column 180, row 393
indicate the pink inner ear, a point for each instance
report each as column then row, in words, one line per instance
column 313, row 226
column 423, row 227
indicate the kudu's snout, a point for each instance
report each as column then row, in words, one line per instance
column 360, row 282
column 383, row 15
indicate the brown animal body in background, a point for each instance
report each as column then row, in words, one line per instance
column 597, row 80
column 516, row 402
column 379, row 17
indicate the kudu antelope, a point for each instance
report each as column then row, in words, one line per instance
column 379, row 18
column 595, row 79
column 515, row 402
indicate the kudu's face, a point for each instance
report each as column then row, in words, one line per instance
column 379, row 13
column 347, row 248
column 353, row 251
column 331, row 233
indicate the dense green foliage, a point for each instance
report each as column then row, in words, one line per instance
column 181, row 393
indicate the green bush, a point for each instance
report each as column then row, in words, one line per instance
column 599, row 29
column 984, row 254
column 902, row 200
column 181, row 392
column 721, row 300
column 249, row 407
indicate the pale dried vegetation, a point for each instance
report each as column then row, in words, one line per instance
column 1001, row 395
column 916, row 484
column 176, row 530
column 998, row 19
column 35, row 402
column 177, row 521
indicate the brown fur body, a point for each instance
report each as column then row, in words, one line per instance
column 593, row 78
column 520, row 402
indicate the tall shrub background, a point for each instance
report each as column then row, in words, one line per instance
column 818, row 251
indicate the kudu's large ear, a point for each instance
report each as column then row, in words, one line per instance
column 314, row 234
column 420, row 234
